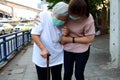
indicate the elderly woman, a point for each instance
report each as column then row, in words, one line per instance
column 46, row 36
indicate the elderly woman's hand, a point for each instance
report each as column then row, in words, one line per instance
column 65, row 31
column 45, row 53
column 36, row 19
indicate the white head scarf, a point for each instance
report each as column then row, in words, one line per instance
column 60, row 9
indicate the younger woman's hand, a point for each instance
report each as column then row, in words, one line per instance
column 66, row 39
column 63, row 41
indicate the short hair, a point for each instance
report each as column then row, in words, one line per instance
column 60, row 9
column 79, row 7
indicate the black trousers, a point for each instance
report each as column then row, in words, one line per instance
column 55, row 71
column 77, row 59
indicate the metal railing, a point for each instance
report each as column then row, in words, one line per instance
column 11, row 43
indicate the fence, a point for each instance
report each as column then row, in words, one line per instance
column 11, row 43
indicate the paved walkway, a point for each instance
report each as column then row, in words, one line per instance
column 98, row 68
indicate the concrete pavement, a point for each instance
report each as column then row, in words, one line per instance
column 97, row 68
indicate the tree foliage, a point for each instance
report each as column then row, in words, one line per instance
column 95, row 3
column 53, row 2
column 92, row 3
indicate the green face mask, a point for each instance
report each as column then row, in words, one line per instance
column 57, row 22
column 74, row 18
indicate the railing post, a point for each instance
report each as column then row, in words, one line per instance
column 23, row 33
column 4, row 48
column 16, row 42
column 30, row 35
column 27, row 36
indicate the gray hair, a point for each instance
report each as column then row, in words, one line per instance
column 60, row 9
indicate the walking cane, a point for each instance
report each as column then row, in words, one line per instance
column 48, row 68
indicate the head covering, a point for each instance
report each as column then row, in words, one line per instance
column 60, row 9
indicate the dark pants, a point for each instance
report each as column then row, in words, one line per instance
column 55, row 71
column 80, row 60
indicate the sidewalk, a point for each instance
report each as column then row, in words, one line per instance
column 21, row 67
